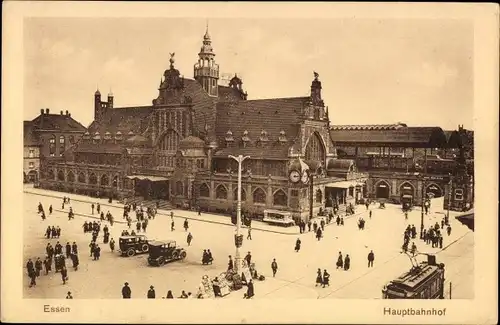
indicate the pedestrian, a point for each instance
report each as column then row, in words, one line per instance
column 340, row 261
column 126, row 292
column 230, row 264
column 47, row 263
column 50, row 209
column 248, row 259
column 58, row 232
column 92, row 246
column 326, row 278
column 47, row 232
column 74, row 248
column 69, row 296
column 76, row 261
column 274, row 267
column 186, row 224
column 112, row 245
column 371, row 258
column 319, row 234
column 170, row 294
column 64, row 274
column 97, row 252
column 38, row 266
column 32, row 276
column 249, row 235
column 297, row 245
column 68, row 250
column 319, row 278
column 309, row 224
column 315, row 226
column 250, row 290
column 151, row 292
column 342, row 221
column 440, row 241
column 98, row 208
column 172, row 225
column 189, row 239
column 322, row 223
column 448, row 230
column 370, row 213
column 30, row 266
column 347, row 262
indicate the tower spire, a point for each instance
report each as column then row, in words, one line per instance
column 206, row 71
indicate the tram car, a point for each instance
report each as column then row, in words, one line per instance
column 423, row 281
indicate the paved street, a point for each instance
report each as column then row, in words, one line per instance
column 297, row 271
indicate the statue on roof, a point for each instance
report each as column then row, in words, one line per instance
column 172, row 59
column 316, row 75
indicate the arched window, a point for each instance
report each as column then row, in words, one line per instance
column 51, row 174
column 221, row 192
column 71, row 176
column 92, row 179
column 319, row 196
column 52, row 145
column 243, row 194
column 169, row 141
column 280, row 198
column 62, row 145
column 104, row 180
column 81, row 178
column 204, row 190
column 60, row 176
column 315, row 150
column 259, row 196
column 179, row 188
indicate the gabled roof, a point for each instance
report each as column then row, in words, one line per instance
column 88, row 147
column 254, row 116
column 57, row 122
column 430, row 137
column 123, row 119
column 30, row 138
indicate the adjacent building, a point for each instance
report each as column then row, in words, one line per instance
column 46, row 139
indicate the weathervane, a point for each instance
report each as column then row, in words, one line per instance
column 316, row 75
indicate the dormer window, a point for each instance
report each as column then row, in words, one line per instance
column 97, row 137
column 131, row 133
column 282, row 137
column 229, row 136
column 245, row 138
column 118, row 136
column 263, row 136
column 107, row 136
column 86, row 136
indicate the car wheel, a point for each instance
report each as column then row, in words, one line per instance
column 145, row 248
column 130, row 252
column 161, row 261
column 182, row 255
column 175, row 255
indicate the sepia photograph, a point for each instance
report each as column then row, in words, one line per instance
column 221, row 159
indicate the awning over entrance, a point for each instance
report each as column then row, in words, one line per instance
column 150, row 178
column 345, row 184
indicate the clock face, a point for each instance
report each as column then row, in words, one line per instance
column 305, row 177
column 294, row 176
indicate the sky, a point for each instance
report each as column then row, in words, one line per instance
column 419, row 72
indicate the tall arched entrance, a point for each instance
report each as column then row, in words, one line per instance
column 382, row 190
column 433, row 190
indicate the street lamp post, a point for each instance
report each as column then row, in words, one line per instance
column 422, row 209
column 237, row 257
column 449, row 200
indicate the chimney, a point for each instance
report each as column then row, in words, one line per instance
column 41, row 111
column 62, row 113
column 66, row 112
column 47, row 111
column 69, row 114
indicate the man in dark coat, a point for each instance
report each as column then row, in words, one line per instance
column 47, row 232
column 97, row 252
column 50, row 209
column 68, row 250
column 76, row 261
column 371, row 258
column 58, row 248
column 112, row 245
column 138, row 226
column 347, row 263
column 64, row 274
column 38, row 266
column 297, row 245
column 58, row 232
column 47, row 263
column 318, row 234
column 250, row 290
column 186, row 225
column 74, row 248
column 274, row 267
column 151, row 293
column 92, row 208
column 248, row 259
column 32, row 276
column 126, row 292
column 92, row 247
column 53, row 232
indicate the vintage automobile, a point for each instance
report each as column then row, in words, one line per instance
column 131, row 245
column 161, row 252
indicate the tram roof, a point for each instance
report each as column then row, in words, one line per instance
column 415, row 277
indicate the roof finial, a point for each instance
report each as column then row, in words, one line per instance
column 110, row 92
column 207, row 35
